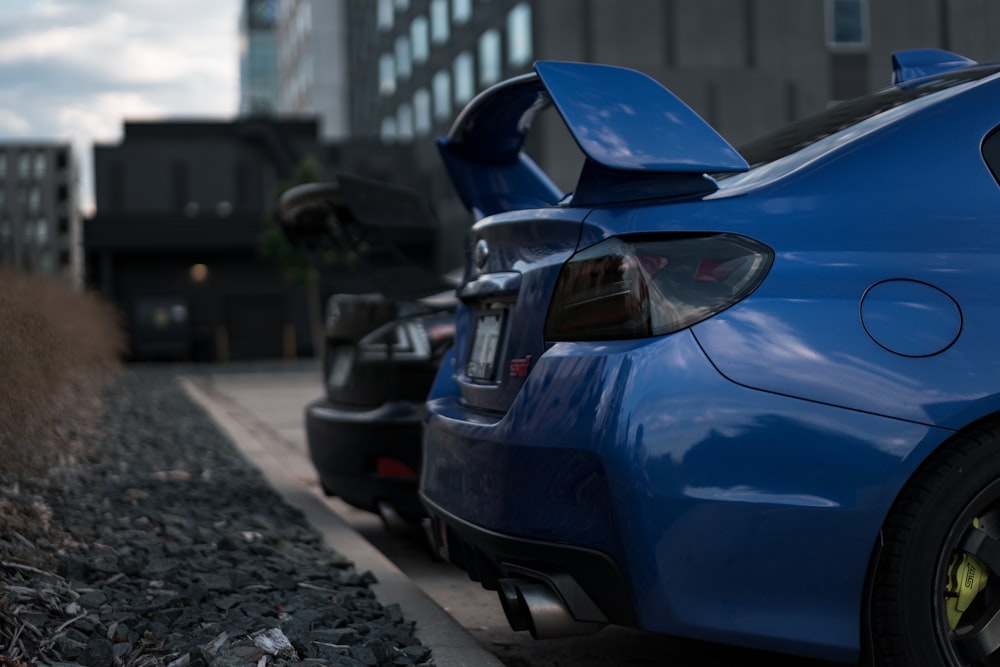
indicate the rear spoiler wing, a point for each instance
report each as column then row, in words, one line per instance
column 638, row 138
column 913, row 64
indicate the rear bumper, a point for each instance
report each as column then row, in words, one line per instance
column 362, row 455
column 690, row 485
column 591, row 583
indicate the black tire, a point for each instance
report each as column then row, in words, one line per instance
column 927, row 537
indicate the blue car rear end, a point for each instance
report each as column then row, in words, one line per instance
column 686, row 396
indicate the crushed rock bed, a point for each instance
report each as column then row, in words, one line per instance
column 161, row 546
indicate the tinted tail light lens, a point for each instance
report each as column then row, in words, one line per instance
column 623, row 288
column 414, row 339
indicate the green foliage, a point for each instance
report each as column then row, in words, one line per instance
column 275, row 247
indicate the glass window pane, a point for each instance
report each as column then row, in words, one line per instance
column 439, row 21
column 519, row 34
column 404, row 120
column 387, row 74
column 419, row 38
column 40, row 164
column 441, row 85
column 384, row 13
column 847, row 22
column 461, row 11
column 489, row 57
column 404, row 66
column 465, row 84
column 422, row 111
column 388, row 132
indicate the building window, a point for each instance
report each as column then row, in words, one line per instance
column 383, row 15
column 465, row 83
column 24, row 165
column 461, row 11
column 440, row 29
column 404, row 122
column 489, row 57
column 388, row 131
column 441, row 85
column 41, row 162
column 387, row 74
column 404, row 64
column 402, row 5
column 420, row 39
column 847, row 23
column 519, row 35
column 3, row 165
column 34, row 200
column 422, row 112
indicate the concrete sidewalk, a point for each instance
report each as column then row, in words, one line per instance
column 256, row 408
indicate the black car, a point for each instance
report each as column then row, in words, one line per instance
column 382, row 345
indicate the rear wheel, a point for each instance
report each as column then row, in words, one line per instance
column 936, row 595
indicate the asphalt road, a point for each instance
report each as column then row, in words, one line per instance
column 269, row 398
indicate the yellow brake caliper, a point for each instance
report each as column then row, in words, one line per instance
column 966, row 578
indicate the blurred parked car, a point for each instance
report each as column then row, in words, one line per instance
column 744, row 396
column 381, row 349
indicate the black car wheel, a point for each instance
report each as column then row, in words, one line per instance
column 936, row 594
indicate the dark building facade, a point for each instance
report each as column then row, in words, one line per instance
column 176, row 238
column 746, row 66
column 181, row 206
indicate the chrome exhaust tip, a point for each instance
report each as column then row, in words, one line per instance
column 540, row 610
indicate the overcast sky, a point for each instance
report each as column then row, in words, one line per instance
column 73, row 70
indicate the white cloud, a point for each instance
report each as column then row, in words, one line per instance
column 77, row 69
column 13, row 123
column 100, row 117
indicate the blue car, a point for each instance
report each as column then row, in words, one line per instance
column 748, row 396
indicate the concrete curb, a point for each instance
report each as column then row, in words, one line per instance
column 450, row 643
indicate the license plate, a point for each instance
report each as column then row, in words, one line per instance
column 485, row 346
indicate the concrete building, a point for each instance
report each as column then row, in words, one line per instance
column 312, row 37
column 176, row 242
column 40, row 227
column 258, row 57
column 181, row 206
column 747, row 66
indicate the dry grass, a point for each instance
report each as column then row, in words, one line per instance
column 56, row 348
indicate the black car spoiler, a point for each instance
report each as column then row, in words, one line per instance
column 391, row 229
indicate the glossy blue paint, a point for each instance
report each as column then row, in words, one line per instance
column 685, row 485
column 918, row 63
column 625, row 120
column 910, row 318
column 776, row 433
column 483, row 150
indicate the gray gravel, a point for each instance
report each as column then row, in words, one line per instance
column 163, row 546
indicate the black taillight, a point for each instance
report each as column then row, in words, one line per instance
column 635, row 288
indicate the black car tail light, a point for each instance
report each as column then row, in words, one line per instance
column 623, row 288
column 412, row 339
